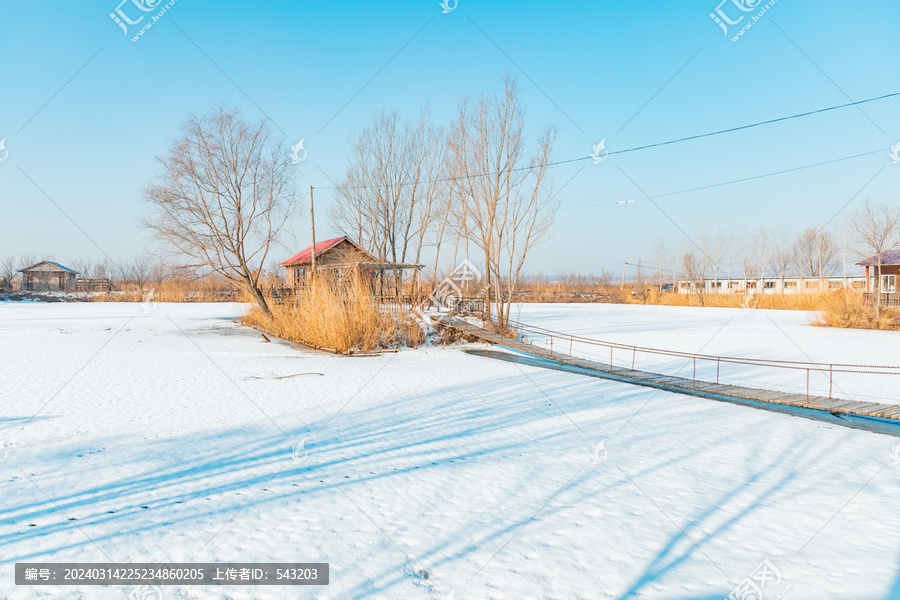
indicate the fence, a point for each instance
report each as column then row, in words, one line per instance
column 627, row 355
column 468, row 306
column 93, row 285
column 890, row 300
column 285, row 294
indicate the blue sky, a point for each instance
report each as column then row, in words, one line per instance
column 85, row 110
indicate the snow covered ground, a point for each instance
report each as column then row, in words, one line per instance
column 167, row 435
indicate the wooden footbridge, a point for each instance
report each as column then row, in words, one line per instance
column 872, row 416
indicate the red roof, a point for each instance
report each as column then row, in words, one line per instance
column 891, row 257
column 305, row 255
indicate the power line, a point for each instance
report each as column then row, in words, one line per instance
column 644, row 147
column 715, row 185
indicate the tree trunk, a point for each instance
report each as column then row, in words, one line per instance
column 487, row 285
column 878, row 290
column 258, row 296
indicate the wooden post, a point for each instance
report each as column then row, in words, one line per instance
column 312, row 230
column 867, row 285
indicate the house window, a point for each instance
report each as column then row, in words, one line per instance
column 770, row 285
column 888, row 284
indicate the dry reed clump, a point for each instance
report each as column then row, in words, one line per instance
column 338, row 314
column 849, row 311
column 808, row 302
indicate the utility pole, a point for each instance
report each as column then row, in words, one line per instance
column 624, row 266
column 312, row 230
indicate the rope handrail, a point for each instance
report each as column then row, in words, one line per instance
column 764, row 362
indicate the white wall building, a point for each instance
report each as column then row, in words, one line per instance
column 772, row 285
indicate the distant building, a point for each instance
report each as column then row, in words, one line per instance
column 47, row 276
column 890, row 269
column 771, row 285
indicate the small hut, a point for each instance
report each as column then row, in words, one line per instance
column 341, row 255
column 47, row 276
column 890, row 272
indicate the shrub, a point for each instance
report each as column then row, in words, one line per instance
column 846, row 309
column 339, row 314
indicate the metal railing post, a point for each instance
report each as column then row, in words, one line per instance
column 830, row 379
column 717, row 370
column 807, row 386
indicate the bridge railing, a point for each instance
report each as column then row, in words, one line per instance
column 563, row 344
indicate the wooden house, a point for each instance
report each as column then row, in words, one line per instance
column 47, row 276
column 341, row 256
column 890, row 274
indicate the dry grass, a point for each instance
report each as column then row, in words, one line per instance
column 569, row 288
column 584, row 289
column 848, row 311
column 775, row 301
column 172, row 291
column 340, row 316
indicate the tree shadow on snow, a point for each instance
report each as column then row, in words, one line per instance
column 383, row 445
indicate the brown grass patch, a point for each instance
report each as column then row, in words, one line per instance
column 773, row 301
column 338, row 315
column 173, row 291
column 848, row 310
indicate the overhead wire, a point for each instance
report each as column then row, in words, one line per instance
column 636, row 148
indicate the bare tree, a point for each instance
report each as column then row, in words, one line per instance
column 503, row 195
column 877, row 230
column 26, row 260
column 388, row 200
column 748, row 255
column 224, row 194
column 662, row 261
column 140, row 269
column 695, row 272
column 105, row 269
column 84, row 266
column 816, row 253
column 783, row 259
column 122, row 273
column 159, row 273
column 762, row 250
column 723, row 248
column 9, row 268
